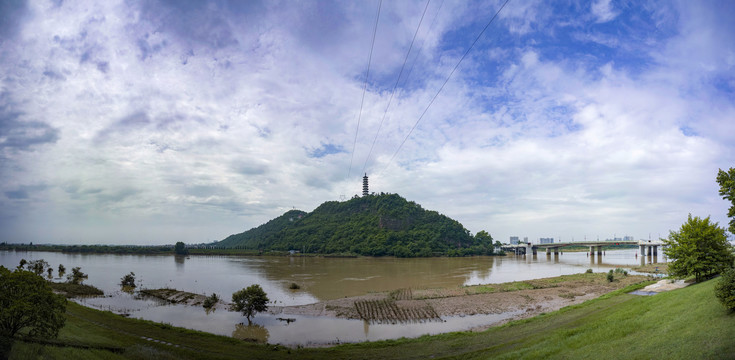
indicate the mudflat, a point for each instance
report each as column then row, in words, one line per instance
column 527, row 298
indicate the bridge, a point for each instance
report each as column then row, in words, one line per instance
column 647, row 247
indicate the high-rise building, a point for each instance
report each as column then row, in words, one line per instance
column 514, row 240
column 546, row 240
column 365, row 185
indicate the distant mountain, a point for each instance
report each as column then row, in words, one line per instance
column 373, row 225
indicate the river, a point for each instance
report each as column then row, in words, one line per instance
column 319, row 278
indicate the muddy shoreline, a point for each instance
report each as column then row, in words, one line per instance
column 524, row 299
column 527, row 298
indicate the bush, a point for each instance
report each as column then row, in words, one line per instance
column 210, row 301
column 610, row 276
column 77, row 276
column 589, row 271
column 725, row 289
column 128, row 280
column 294, row 286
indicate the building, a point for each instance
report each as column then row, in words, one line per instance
column 365, row 185
column 546, row 240
column 514, row 240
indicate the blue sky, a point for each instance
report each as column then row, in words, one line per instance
column 152, row 122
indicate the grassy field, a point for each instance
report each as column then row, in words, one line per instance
column 684, row 324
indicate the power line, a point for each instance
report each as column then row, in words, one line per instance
column 424, row 42
column 395, row 86
column 364, row 89
column 445, row 83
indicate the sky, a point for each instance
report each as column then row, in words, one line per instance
column 152, row 122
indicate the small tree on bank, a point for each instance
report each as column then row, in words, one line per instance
column 250, row 301
column 180, row 249
column 128, row 281
column 77, row 276
column 699, row 248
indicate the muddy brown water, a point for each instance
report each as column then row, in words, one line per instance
column 319, row 279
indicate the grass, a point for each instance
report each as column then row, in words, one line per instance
column 683, row 324
column 73, row 290
column 660, row 268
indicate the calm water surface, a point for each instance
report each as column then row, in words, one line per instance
column 319, row 278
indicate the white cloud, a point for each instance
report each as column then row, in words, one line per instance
column 166, row 133
column 603, row 11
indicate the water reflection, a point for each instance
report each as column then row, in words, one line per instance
column 252, row 332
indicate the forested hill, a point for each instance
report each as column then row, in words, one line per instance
column 373, row 225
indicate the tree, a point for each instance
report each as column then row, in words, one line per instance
column 128, row 280
column 699, row 248
column 727, row 190
column 250, row 301
column 725, row 289
column 62, row 270
column 180, row 249
column 76, row 276
column 38, row 266
column 28, row 303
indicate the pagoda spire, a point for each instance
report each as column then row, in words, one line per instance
column 365, row 185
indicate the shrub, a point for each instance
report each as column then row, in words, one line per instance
column 589, row 271
column 725, row 289
column 77, row 276
column 294, row 286
column 128, row 280
column 210, row 301
column 610, row 276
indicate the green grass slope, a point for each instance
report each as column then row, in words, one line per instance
column 684, row 324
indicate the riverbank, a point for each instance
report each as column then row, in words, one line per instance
column 614, row 326
column 523, row 298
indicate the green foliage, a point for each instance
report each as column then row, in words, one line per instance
column 28, row 303
column 373, row 225
column 180, row 249
column 22, row 263
column 62, row 270
column 210, row 301
column 77, row 276
column 589, row 271
column 726, row 180
column 725, row 289
column 38, row 266
column 250, row 301
column 128, row 280
column 610, row 276
column 699, row 248
column 294, row 286
column 73, row 290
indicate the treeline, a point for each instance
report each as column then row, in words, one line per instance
column 373, row 225
column 91, row 249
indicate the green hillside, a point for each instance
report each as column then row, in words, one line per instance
column 373, row 225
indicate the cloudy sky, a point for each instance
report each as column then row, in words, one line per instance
column 151, row 122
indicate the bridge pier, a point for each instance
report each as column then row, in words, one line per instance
column 592, row 250
column 655, row 250
column 649, row 250
column 643, row 250
column 548, row 251
column 599, row 250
